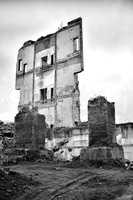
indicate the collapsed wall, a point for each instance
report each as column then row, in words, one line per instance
column 67, row 142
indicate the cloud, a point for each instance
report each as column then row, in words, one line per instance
column 111, row 27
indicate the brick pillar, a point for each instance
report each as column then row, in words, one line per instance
column 30, row 129
column 101, row 120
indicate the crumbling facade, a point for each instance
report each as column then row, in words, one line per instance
column 47, row 75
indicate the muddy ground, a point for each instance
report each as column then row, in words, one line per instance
column 13, row 184
column 58, row 182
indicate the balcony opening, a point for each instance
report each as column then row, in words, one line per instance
column 44, row 61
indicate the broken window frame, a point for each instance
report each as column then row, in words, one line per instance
column 44, row 61
column 43, row 95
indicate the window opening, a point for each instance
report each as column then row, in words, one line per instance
column 43, row 94
column 44, row 60
column 20, row 66
column 76, row 44
column 52, row 93
column 52, row 59
column 25, row 68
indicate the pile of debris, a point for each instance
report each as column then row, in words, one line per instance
column 6, row 129
column 13, row 184
column 17, row 155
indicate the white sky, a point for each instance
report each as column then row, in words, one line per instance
column 108, row 48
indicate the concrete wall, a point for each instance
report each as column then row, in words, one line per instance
column 24, row 79
column 69, row 64
column 45, row 78
column 44, row 52
column 77, row 139
column 65, row 41
column 124, row 135
column 48, row 112
column 26, row 53
column 64, row 112
column 26, row 90
column 62, row 75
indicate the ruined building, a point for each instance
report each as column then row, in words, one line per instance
column 47, row 78
column 47, row 75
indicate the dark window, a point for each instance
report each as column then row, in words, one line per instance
column 44, row 60
column 76, row 44
column 76, row 123
column 52, row 59
column 43, row 94
column 25, row 68
column 51, row 126
column 20, row 65
column 52, row 93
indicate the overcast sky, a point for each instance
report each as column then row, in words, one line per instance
column 108, row 48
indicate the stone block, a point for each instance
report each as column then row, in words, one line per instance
column 102, row 153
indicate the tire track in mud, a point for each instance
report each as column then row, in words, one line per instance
column 67, row 183
column 48, row 193
column 71, row 185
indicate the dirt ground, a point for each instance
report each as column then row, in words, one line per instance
column 62, row 183
column 13, row 184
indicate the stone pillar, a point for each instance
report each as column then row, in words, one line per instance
column 101, row 122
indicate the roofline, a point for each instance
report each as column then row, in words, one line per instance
column 27, row 44
column 69, row 24
column 126, row 123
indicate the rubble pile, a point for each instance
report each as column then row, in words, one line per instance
column 13, row 184
column 42, row 155
column 6, row 129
